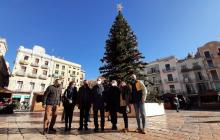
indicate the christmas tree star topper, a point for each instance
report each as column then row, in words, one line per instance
column 119, row 7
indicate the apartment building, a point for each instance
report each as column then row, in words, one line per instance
column 152, row 72
column 169, row 75
column 192, row 74
column 34, row 70
column 210, row 52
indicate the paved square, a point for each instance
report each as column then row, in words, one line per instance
column 186, row 125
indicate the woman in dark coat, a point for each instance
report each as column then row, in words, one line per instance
column 124, row 103
column 114, row 103
column 69, row 102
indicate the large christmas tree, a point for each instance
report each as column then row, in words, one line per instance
column 122, row 57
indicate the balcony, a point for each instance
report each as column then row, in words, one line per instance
column 23, row 62
column 44, row 66
column 171, row 81
column 72, row 75
column 200, row 79
column 185, row 69
column 153, row 72
column 212, row 66
column 55, row 75
column 31, row 75
column 43, row 77
column 34, row 64
column 196, row 67
column 171, row 69
column 20, row 73
column 172, row 91
column 187, row 80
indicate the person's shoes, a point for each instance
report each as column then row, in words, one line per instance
column 45, row 131
column 143, row 131
column 114, row 128
column 125, row 130
column 52, row 130
column 66, row 129
column 96, row 130
column 86, row 128
column 138, row 130
column 80, row 129
column 102, row 129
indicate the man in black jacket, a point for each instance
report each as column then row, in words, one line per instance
column 98, row 104
column 114, row 103
column 84, row 104
column 51, row 100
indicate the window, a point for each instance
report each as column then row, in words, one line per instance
column 63, row 67
column 210, row 63
column 77, row 73
column 214, row 75
column 32, row 84
column 69, row 71
column 23, row 69
column 34, row 71
column 167, row 66
column 201, row 87
column 56, row 72
column 26, row 57
column 153, row 79
column 218, row 51
column 42, row 87
column 73, row 72
column 44, row 72
column 172, row 88
column 19, row 85
column 62, row 73
column 183, row 67
column 46, row 63
column 37, row 60
column 170, row 77
column 207, row 54
column 57, row 66
column 199, row 76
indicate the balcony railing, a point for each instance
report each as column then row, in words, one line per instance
column 153, row 72
column 44, row 66
column 23, row 62
column 72, row 75
column 196, row 67
column 172, row 91
column 170, row 81
column 169, row 69
column 31, row 75
column 185, row 69
column 35, row 64
column 44, row 77
column 211, row 66
column 20, row 73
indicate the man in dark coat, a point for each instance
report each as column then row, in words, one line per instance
column 51, row 100
column 98, row 99
column 69, row 102
column 114, row 103
column 84, row 103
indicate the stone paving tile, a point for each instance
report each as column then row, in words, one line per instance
column 186, row 125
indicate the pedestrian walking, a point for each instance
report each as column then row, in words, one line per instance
column 176, row 103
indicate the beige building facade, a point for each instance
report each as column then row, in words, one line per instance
column 210, row 52
column 34, row 70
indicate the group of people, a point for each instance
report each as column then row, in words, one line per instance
column 103, row 97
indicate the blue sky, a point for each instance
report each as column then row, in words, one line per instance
column 77, row 29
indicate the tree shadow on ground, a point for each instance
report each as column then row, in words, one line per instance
column 201, row 116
